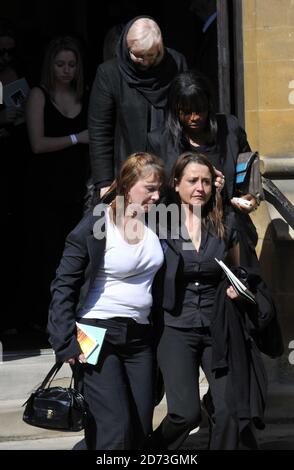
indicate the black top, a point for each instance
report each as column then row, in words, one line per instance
column 198, row 276
column 62, row 175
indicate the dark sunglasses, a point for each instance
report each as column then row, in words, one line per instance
column 10, row 51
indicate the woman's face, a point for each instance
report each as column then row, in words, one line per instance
column 193, row 121
column 195, row 186
column 65, row 66
column 146, row 191
column 7, row 51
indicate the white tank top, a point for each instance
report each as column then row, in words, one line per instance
column 123, row 285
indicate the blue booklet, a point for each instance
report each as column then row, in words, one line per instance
column 91, row 339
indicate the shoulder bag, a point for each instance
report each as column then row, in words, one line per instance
column 59, row 408
column 248, row 177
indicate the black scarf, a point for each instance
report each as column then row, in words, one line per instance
column 152, row 83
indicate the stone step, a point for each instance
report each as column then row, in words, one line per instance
column 280, row 403
column 274, row 437
column 20, row 374
column 12, row 426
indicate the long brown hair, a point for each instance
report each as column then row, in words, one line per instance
column 135, row 167
column 212, row 215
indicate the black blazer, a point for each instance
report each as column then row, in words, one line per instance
column 118, row 120
column 81, row 258
column 231, row 140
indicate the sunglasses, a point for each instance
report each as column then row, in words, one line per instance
column 10, row 51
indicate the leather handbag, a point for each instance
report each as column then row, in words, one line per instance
column 59, row 408
column 248, row 177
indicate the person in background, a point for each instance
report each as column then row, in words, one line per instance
column 206, row 46
column 193, row 125
column 111, row 40
column 15, row 155
column 57, row 126
column 128, row 98
column 105, row 279
column 10, row 70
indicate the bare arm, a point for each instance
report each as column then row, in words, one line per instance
column 35, row 123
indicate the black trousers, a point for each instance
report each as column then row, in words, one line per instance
column 119, row 390
column 180, row 353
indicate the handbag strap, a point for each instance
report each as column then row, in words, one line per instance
column 51, row 374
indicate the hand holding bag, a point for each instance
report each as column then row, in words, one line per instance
column 59, row 408
column 248, row 177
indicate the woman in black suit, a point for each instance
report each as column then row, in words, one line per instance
column 204, row 320
column 193, row 125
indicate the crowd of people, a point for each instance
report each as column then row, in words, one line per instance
column 144, row 139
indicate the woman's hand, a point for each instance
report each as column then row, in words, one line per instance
column 72, row 360
column 10, row 114
column 232, row 294
column 219, row 180
column 244, row 209
column 83, row 137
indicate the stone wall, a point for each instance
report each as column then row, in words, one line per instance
column 268, row 41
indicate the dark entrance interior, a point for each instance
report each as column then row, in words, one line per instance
column 36, row 23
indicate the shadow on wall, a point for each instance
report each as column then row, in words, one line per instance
column 277, row 266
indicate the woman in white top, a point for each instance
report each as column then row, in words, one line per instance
column 105, row 279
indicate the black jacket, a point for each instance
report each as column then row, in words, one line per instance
column 237, row 328
column 81, row 258
column 119, row 119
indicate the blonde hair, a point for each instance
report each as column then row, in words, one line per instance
column 56, row 45
column 144, row 33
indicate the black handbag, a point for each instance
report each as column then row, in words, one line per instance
column 248, row 177
column 59, row 408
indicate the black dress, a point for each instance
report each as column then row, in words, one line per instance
column 61, row 176
column 55, row 197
